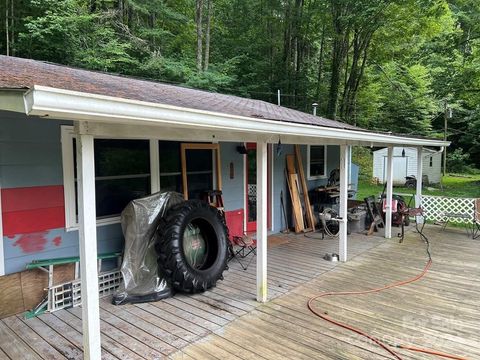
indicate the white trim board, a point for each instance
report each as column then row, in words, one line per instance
column 73, row 105
column 71, row 221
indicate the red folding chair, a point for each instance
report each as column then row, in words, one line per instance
column 242, row 245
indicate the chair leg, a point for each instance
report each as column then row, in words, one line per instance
column 475, row 230
column 445, row 224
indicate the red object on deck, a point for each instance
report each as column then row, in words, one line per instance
column 234, row 220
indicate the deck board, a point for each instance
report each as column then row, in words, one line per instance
column 441, row 310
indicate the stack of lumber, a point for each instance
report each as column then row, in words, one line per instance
column 297, row 185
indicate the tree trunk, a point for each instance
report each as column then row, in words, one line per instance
column 339, row 49
column 7, row 30
column 198, row 21
column 12, row 29
column 338, row 56
column 320, row 65
column 361, row 42
column 129, row 16
column 207, row 34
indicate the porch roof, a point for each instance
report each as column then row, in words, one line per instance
column 63, row 92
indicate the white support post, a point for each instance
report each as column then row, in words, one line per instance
column 418, row 195
column 389, row 195
column 342, row 245
column 262, row 195
column 154, row 166
column 88, row 247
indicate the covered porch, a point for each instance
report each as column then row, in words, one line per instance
column 99, row 116
column 440, row 311
column 104, row 106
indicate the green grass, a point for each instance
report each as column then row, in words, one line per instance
column 453, row 186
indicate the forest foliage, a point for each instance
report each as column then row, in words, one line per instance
column 385, row 65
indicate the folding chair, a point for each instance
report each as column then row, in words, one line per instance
column 476, row 220
column 241, row 244
column 242, row 247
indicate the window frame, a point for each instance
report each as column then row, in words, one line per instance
column 67, row 136
column 216, row 163
column 324, row 176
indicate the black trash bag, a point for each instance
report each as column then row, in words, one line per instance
column 142, row 279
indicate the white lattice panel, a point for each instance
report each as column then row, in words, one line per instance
column 67, row 295
column 435, row 208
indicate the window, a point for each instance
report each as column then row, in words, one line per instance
column 431, row 161
column 316, row 161
column 122, row 173
column 199, row 169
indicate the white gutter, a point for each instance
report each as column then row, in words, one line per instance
column 74, row 105
column 435, row 152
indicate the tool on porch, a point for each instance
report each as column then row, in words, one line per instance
column 282, row 204
column 68, row 294
column 388, row 347
column 330, row 222
column 376, row 220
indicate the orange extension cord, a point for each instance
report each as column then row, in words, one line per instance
column 377, row 341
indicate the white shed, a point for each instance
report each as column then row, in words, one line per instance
column 407, row 165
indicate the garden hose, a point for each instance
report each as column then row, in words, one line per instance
column 386, row 346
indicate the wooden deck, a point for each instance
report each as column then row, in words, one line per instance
column 440, row 311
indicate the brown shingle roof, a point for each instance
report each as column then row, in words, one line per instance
column 24, row 73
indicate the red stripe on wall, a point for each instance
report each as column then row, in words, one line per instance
column 32, row 209
column 30, row 198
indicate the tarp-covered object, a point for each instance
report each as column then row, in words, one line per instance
column 141, row 278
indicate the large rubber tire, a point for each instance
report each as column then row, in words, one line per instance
column 174, row 259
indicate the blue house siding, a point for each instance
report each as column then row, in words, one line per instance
column 233, row 189
column 30, row 160
column 30, row 151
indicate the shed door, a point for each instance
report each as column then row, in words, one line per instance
column 399, row 169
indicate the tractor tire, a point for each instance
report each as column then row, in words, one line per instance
column 192, row 246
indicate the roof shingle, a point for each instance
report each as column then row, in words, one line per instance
column 18, row 73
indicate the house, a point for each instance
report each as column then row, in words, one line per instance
column 77, row 145
column 405, row 164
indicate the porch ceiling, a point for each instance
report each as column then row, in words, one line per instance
column 118, row 117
